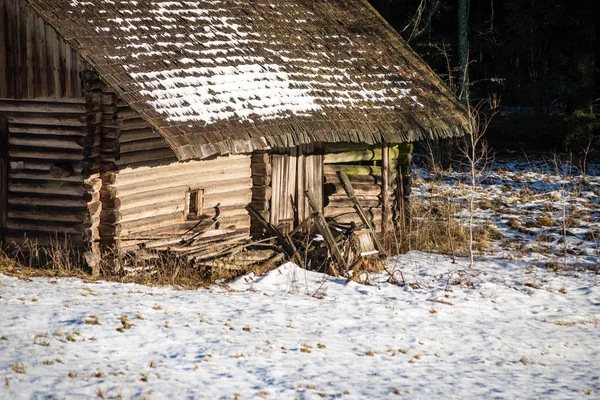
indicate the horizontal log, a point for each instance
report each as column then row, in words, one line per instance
column 42, row 107
column 17, row 153
column 261, row 169
column 137, row 134
column 260, row 158
column 361, row 189
column 124, row 113
column 236, row 179
column 350, row 170
column 373, row 154
column 109, row 231
column 110, row 217
column 70, row 216
column 261, row 192
column 143, row 145
column 212, row 190
column 43, row 226
column 354, row 179
column 151, row 224
column 35, row 165
column 29, row 199
column 131, row 124
column 47, row 187
column 219, row 165
column 66, row 120
column 261, row 180
column 155, row 209
column 49, row 130
column 42, row 175
column 142, row 156
column 339, row 201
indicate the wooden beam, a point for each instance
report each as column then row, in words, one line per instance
column 284, row 239
column 326, row 233
column 385, row 184
column 359, row 210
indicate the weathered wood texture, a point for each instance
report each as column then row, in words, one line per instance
column 366, row 181
column 3, row 177
column 50, row 184
column 365, row 168
column 34, row 61
column 292, row 173
column 145, row 203
column 403, row 185
column 261, row 190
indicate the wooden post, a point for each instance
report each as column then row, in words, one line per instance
column 359, row 210
column 4, row 165
column 404, row 185
column 326, row 232
column 385, row 184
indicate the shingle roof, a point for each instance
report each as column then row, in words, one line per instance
column 231, row 76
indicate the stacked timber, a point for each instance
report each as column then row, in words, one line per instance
column 50, row 185
column 146, row 203
column 261, row 189
column 364, row 170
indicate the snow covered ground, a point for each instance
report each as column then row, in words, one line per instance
column 521, row 323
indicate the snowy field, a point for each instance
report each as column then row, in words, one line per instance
column 521, row 323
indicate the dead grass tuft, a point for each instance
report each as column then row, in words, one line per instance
column 19, row 368
column 92, row 320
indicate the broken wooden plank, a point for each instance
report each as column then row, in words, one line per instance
column 326, row 232
column 284, row 239
column 359, row 210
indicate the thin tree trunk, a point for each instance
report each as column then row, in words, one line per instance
column 463, row 49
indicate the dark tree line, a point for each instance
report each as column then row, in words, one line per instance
column 536, row 59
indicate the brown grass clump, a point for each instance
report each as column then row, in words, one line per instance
column 514, row 223
column 545, row 220
column 19, row 368
column 525, row 192
column 92, row 320
column 432, row 227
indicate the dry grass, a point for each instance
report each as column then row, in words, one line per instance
column 432, row 227
column 19, row 368
column 61, row 259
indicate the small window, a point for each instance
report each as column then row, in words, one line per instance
column 194, row 201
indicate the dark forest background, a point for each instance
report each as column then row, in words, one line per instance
column 535, row 61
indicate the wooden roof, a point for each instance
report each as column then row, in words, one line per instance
column 233, row 76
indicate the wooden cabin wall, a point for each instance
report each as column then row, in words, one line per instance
column 152, row 200
column 366, row 178
column 34, row 61
column 144, row 185
column 52, row 189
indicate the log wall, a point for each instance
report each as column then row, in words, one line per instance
column 150, row 202
column 34, row 61
column 364, row 171
column 144, row 191
column 51, row 187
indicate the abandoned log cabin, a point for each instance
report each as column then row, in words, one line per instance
column 126, row 122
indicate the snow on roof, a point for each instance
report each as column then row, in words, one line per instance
column 228, row 76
